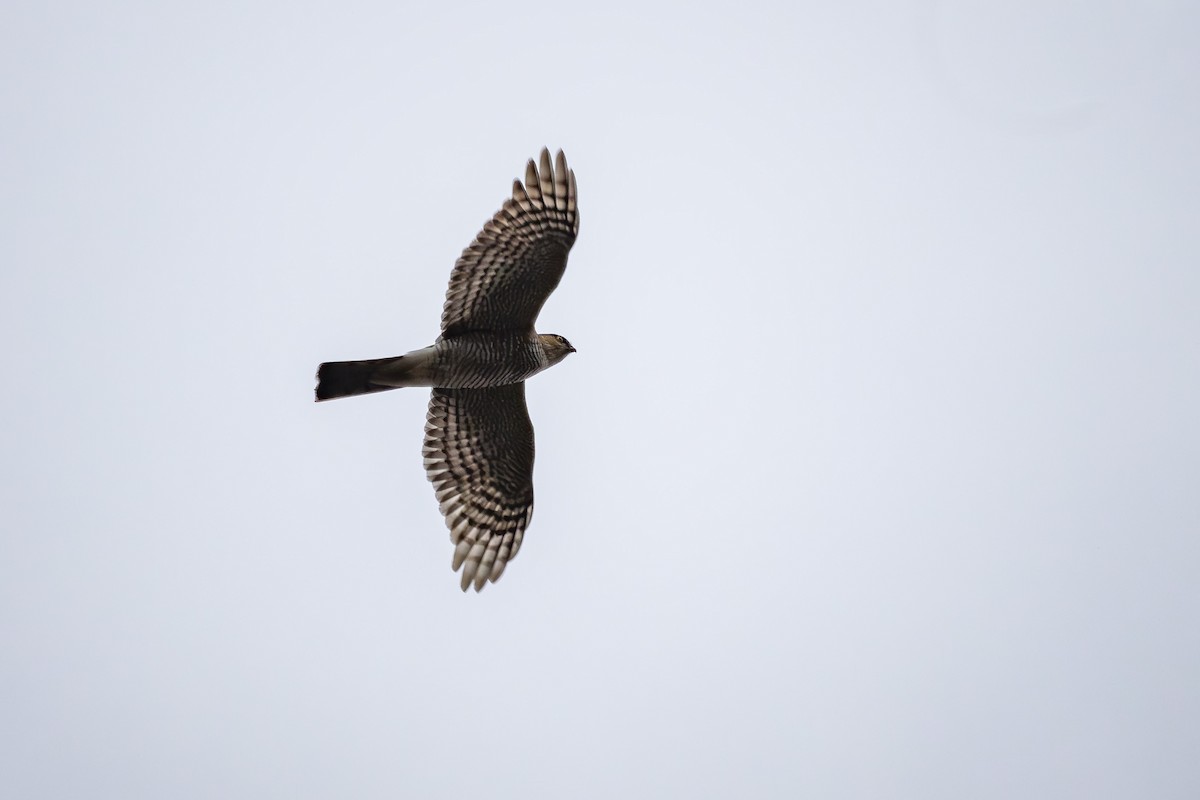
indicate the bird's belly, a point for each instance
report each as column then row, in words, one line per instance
column 479, row 361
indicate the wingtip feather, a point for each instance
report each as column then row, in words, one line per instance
column 533, row 184
column 547, row 173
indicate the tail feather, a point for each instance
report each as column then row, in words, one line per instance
column 345, row 378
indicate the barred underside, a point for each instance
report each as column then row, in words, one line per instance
column 478, row 360
column 479, row 456
column 503, row 278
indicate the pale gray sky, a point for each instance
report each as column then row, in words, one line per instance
column 875, row 476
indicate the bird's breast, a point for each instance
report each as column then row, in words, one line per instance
column 478, row 360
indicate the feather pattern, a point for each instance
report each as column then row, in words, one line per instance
column 479, row 456
column 475, row 360
column 504, row 276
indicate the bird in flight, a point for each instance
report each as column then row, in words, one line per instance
column 478, row 437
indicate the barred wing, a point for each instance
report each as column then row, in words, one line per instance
column 479, row 455
column 502, row 280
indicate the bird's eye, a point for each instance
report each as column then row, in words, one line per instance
column 561, row 340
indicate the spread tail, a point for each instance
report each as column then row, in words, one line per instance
column 345, row 378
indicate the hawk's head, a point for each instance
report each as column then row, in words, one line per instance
column 556, row 347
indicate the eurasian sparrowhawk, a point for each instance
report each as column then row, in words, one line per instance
column 478, row 437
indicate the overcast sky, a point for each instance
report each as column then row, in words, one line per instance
column 876, row 475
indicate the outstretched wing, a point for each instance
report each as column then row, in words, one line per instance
column 502, row 280
column 479, row 455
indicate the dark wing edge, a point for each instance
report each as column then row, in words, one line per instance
column 479, row 456
column 503, row 278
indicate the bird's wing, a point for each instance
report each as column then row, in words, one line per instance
column 479, row 455
column 502, row 279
